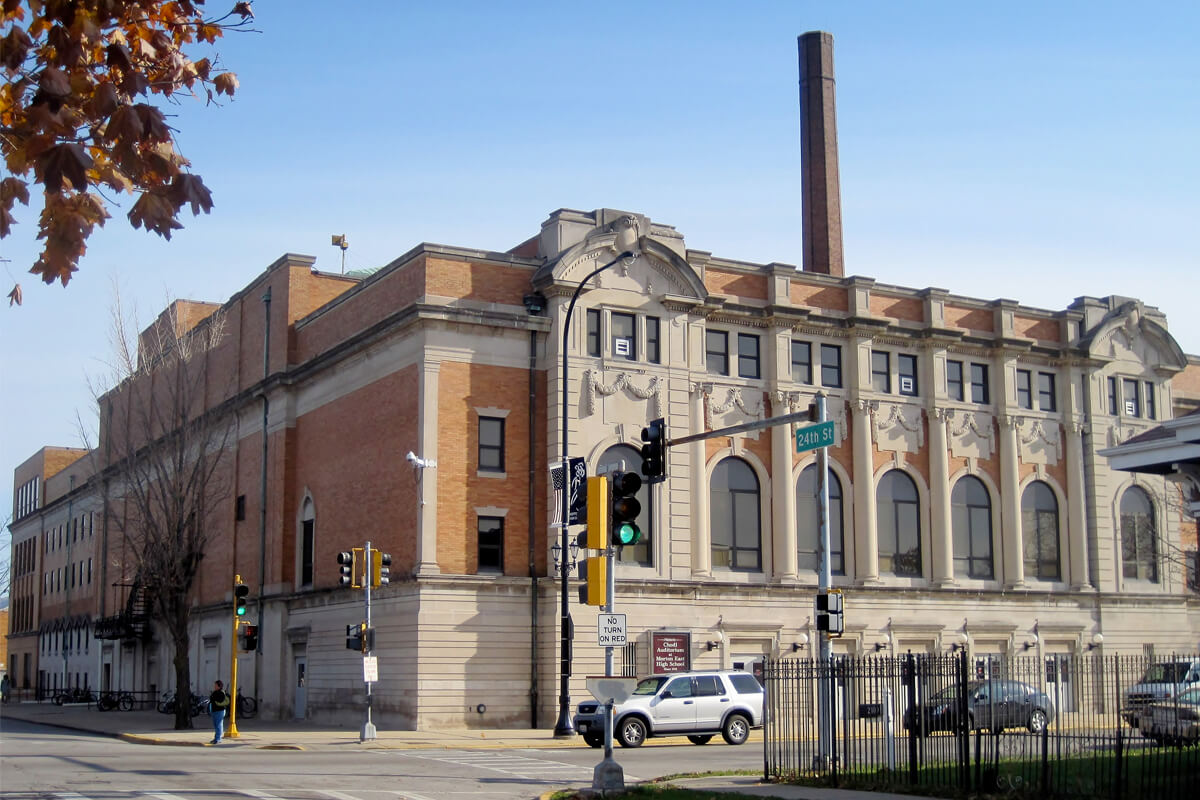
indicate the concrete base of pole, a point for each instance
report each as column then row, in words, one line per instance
column 608, row 776
column 368, row 732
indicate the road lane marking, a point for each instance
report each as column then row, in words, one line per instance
column 337, row 795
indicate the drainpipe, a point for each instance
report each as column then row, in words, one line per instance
column 262, row 495
column 535, row 304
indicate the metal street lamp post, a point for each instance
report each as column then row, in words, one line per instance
column 564, row 727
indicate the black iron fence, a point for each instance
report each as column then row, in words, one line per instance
column 1054, row 726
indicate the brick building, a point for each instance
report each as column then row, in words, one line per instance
column 969, row 497
column 419, row 407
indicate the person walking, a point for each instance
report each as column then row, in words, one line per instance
column 4, row 684
column 218, row 702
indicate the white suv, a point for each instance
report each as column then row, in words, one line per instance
column 696, row 704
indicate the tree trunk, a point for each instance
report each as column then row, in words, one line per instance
column 183, row 686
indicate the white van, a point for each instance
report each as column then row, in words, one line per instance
column 1163, row 680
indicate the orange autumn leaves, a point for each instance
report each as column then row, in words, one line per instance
column 78, row 122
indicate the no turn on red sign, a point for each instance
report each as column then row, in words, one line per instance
column 610, row 630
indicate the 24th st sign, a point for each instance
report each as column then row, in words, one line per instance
column 610, row 630
column 810, row 437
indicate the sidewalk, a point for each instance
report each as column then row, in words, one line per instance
column 150, row 727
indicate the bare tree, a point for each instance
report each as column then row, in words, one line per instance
column 5, row 557
column 161, row 448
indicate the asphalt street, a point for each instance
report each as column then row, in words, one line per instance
column 44, row 762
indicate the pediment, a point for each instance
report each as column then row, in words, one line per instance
column 1132, row 337
column 655, row 270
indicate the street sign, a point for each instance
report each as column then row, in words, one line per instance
column 610, row 630
column 810, row 437
column 370, row 669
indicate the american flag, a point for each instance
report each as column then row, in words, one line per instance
column 577, row 498
column 558, row 481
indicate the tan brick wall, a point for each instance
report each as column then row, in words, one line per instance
column 971, row 319
column 485, row 283
column 462, row 389
column 905, row 308
column 1043, row 330
column 737, row 284
column 829, row 298
column 398, row 288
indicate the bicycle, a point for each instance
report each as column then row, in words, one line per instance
column 247, row 707
column 110, row 700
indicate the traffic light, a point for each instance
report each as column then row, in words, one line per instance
column 240, row 592
column 346, row 568
column 594, row 590
column 595, row 538
column 250, row 638
column 830, row 616
column 654, row 451
column 368, row 639
column 380, row 572
column 356, row 638
column 624, row 508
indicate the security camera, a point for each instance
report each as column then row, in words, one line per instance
column 413, row 457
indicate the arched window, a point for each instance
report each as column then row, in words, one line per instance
column 808, row 523
column 971, row 518
column 1139, row 551
column 899, row 525
column 735, row 522
column 1039, row 529
column 624, row 457
column 307, row 542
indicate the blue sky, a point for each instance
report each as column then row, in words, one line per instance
column 1030, row 150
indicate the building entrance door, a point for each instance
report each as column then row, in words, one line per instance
column 300, row 697
column 1058, row 681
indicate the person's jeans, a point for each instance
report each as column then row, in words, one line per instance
column 218, row 718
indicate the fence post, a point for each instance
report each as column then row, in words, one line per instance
column 918, row 723
column 964, row 729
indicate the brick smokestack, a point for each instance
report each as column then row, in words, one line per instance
column 822, row 201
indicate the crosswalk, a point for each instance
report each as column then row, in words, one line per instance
column 513, row 766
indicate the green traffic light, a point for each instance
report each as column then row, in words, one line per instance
column 241, row 611
column 627, row 533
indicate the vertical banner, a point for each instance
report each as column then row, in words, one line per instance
column 575, row 482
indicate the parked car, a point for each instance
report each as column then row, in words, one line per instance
column 1162, row 681
column 1174, row 721
column 698, row 705
column 991, row 705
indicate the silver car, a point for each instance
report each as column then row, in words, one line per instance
column 1174, row 721
column 698, row 705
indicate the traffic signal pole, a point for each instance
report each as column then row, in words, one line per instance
column 368, row 729
column 825, row 652
column 233, row 676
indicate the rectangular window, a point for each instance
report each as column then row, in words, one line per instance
column 1047, row 393
column 1113, row 405
column 307, row 537
column 491, row 444
column 593, row 332
column 716, row 352
column 906, row 367
column 979, row 384
column 1129, row 394
column 831, row 366
column 653, row 354
column 624, row 338
column 1151, row 411
column 491, row 544
column 748, row 361
column 954, row 380
column 1024, row 388
column 881, row 372
column 802, row 363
